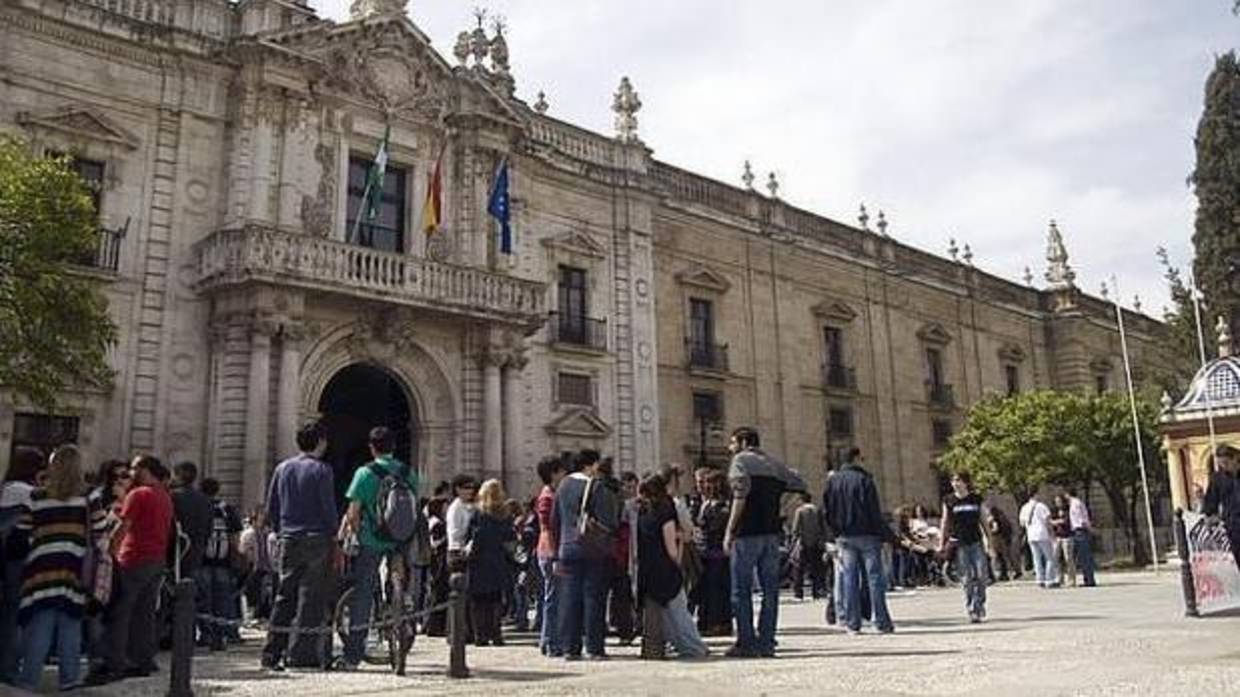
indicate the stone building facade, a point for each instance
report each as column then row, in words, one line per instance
column 644, row 309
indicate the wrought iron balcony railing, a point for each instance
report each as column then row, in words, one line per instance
column 578, row 331
column 707, row 356
column 940, row 395
column 107, row 253
column 839, row 377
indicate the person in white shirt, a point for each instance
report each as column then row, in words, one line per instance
column 1078, row 517
column 1035, row 518
column 459, row 518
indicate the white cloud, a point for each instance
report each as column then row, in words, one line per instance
column 978, row 119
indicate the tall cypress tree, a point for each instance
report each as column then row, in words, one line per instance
column 1216, row 180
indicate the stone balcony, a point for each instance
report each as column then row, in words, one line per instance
column 256, row 254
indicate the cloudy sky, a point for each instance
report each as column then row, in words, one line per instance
column 974, row 119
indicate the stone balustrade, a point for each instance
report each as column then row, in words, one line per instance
column 264, row 255
column 688, row 187
column 574, row 142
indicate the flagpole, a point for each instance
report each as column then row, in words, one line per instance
column 1136, row 421
column 1201, row 350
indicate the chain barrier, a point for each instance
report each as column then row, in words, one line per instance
column 328, row 630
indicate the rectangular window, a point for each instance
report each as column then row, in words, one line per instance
column 934, row 364
column 575, row 389
column 708, row 407
column 572, row 305
column 702, row 331
column 42, row 432
column 840, row 422
column 386, row 232
column 1012, row 374
column 91, row 173
column 942, row 432
column 1101, row 383
column 833, row 338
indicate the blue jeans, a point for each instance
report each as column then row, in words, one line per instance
column 216, row 590
column 855, row 552
column 10, row 633
column 583, row 604
column 680, row 630
column 363, row 575
column 972, row 564
column 760, row 553
column 549, row 638
column 37, row 642
column 1045, row 567
column 1084, row 555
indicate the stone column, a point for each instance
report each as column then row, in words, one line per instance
column 512, row 421
column 290, row 388
column 258, row 404
column 492, row 414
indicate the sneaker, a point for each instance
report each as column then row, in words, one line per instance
column 738, row 651
column 272, row 664
column 887, row 630
column 100, row 677
column 572, row 657
column 854, row 632
column 974, row 618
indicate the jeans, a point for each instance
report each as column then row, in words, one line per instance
column 855, row 552
column 10, row 633
column 1045, row 569
column 302, row 595
column 583, row 605
column 972, row 564
column 811, row 565
column 364, row 575
column 215, row 587
column 37, row 642
column 760, row 552
column 678, row 628
column 549, row 639
column 130, row 637
column 1084, row 555
column 622, row 614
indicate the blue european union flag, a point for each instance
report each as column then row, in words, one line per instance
column 500, row 208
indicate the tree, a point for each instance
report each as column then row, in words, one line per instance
column 1216, row 181
column 1016, row 444
column 1174, row 375
column 1110, row 458
column 54, row 327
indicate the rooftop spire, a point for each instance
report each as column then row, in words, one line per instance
column 1059, row 275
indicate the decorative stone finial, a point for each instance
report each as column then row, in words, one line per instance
column 626, row 104
column 1028, row 277
column 541, row 105
column 480, row 45
column 864, row 218
column 461, row 50
column 968, row 255
column 1166, row 401
column 772, row 185
column 1224, row 337
column 1104, row 291
column 1059, row 274
column 499, row 48
column 747, row 176
column 364, row 9
column 952, row 250
column 882, row 223
column 1136, row 303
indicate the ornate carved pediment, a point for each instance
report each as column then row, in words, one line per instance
column 834, row 310
column 80, row 122
column 576, row 243
column 703, row 277
column 381, row 335
column 579, row 423
column 934, row 333
column 1012, row 353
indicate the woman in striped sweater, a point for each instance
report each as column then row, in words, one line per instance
column 58, row 528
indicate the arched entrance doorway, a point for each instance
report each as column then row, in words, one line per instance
column 356, row 399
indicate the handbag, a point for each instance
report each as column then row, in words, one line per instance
column 596, row 538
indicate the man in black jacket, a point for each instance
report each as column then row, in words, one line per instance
column 854, row 514
column 1223, row 495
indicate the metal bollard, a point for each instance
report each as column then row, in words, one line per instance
column 181, row 670
column 457, row 627
column 1187, row 586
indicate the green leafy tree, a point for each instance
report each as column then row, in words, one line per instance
column 1216, row 181
column 1016, row 444
column 1174, row 375
column 54, row 327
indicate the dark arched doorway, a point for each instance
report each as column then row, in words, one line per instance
column 357, row 399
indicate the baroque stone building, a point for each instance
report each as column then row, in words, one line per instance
column 644, row 309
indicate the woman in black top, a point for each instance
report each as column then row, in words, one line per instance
column 660, row 585
column 962, row 527
column 491, row 546
column 715, row 587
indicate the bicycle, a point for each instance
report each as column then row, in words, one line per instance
column 389, row 613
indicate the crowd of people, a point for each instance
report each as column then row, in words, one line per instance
column 666, row 557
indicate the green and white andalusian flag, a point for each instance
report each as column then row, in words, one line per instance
column 374, row 179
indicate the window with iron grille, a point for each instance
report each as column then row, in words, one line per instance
column 575, row 389
column 833, row 338
column 1102, row 383
column 43, row 432
column 840, row 421
column 934, row 365
column 708, row 407
column 701, row 325
column 942, row 432
column 91, row 173
column 1012, row 375
column 386, row 232
column 572, row 304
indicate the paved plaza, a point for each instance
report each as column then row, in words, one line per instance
column 1126, row 637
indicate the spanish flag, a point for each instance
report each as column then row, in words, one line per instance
column 432, row 209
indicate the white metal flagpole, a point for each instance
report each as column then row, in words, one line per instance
column 1136, row 421
column 1201, row 349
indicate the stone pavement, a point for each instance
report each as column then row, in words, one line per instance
column 1126, row 637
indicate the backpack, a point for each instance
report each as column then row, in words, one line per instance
column 219, row 542
column 396, row 507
